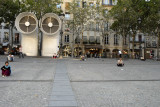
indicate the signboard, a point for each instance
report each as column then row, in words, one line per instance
column 148, row 52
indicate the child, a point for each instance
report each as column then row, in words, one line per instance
column 6, row 69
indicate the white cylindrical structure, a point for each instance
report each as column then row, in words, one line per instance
column 27, row 24
column 51, row 25
column 29, row 44
column 50, row 45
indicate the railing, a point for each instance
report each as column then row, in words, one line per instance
column 137, row 41
column 116, row 44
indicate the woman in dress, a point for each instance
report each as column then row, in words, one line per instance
column 6, row 69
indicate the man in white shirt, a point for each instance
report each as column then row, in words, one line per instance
column 10, row 57
column 20, row 52
column 120, row 54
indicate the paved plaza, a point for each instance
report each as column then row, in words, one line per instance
column 39, row 82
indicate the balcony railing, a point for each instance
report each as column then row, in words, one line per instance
column 116, row 44
column 137, row 41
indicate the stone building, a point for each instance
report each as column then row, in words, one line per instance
column 97, row 41
column 104, row 42
column 6, row 38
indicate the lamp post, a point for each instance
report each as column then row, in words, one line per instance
column 61, row 34
column 145, row 40
column 140, row 40
column 158, row 40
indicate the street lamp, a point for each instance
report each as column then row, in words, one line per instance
column 61, row 33
column 140, row 39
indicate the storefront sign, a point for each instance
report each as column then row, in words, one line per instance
column 148, row 51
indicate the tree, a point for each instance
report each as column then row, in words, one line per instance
column 134, row 9
column 80, row 17
column 151, row 20
column 99, row 14
column 9, row 9
column 40, row 8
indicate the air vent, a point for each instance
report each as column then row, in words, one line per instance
column 50, row 24
column 26, row 23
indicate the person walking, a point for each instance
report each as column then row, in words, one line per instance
column 20, row 52
column 6, row 69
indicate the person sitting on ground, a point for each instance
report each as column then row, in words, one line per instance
column 54, row 56
column 6, row 70
column 82, row 58
column 10, row 57
column 120, row 62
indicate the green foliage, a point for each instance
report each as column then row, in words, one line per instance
column 127, row 12
column 79, row 14
column 9, row 9
column 41, row 7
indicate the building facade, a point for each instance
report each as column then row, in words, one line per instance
column 98, row 42
column 95, row 41
column 6, row 38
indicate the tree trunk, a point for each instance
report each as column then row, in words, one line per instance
column 158, row 44
column 82, row 47
column 41, row 41
column 133, row 45
column 78, row 50
column 73, row 47
column 38, row 54
column 11, row 38
column 73, row 42
column 122, row 46
column 129, row 51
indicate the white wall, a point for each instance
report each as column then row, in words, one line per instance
column 30, row 44
column 50, row 44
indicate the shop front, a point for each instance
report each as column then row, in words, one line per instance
column 93, row 51
column 106, row 53
column 149, row 53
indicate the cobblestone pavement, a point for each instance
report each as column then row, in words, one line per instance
column 117, row 94
column 24, row 94
column 106, row 69
column 95, row 82
column 30, row 83
column 100, row 83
